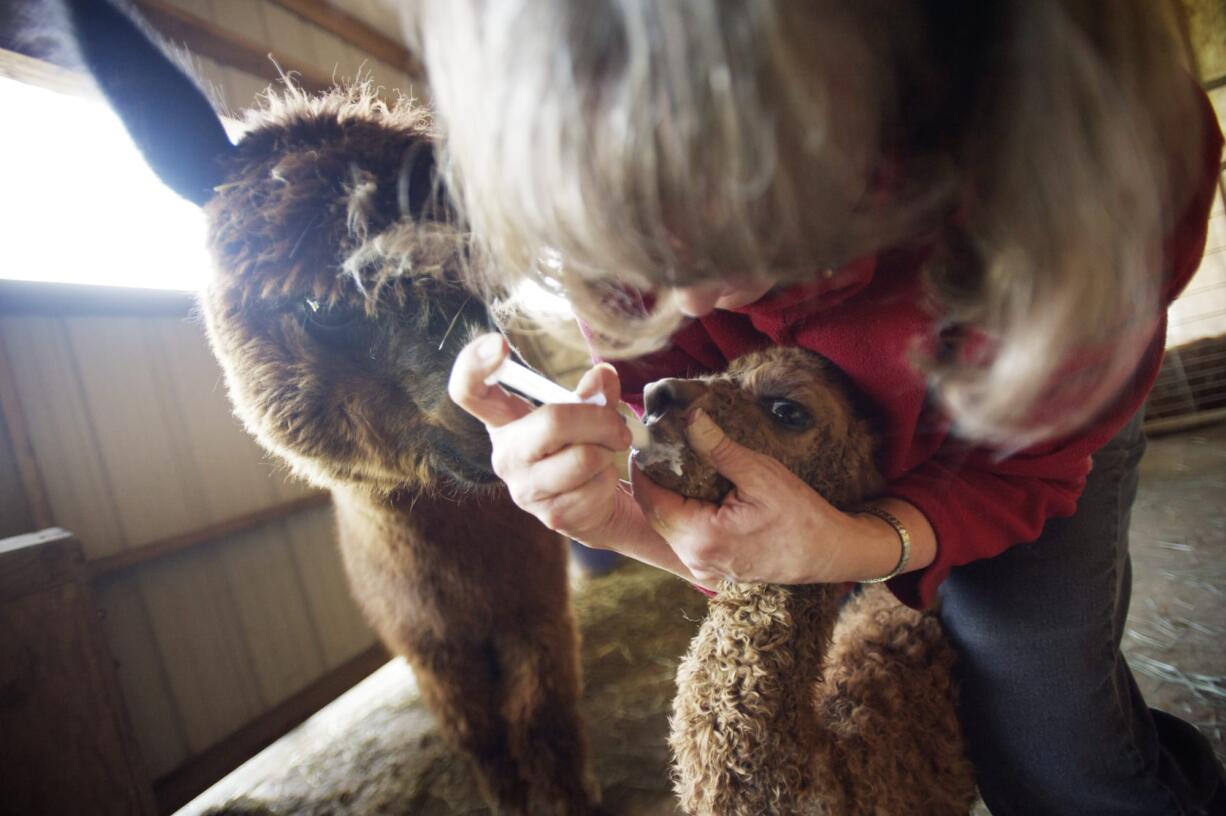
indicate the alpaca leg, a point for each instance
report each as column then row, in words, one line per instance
column 462, row 685
column 540, row 701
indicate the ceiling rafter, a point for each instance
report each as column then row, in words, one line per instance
column 356, row 32
column 207, row 39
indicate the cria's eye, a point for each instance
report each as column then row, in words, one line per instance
column 789, row 414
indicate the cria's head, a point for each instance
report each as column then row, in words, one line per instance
column 788, row 403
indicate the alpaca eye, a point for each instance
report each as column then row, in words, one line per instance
column 322, row 316
column 789, row 414
column 338, row 326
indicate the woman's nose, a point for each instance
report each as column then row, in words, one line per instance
column 697, row 301
column 665, row 395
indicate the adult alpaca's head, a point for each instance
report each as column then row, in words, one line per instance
column 335, row 308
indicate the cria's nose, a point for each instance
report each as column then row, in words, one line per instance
column 665, row 395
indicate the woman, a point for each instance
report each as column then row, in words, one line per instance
column 978, row 211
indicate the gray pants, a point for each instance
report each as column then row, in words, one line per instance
column 1053, row 718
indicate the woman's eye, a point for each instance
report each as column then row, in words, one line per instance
column 791, row 415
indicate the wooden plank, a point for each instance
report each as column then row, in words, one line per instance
column 285, row 653
column 340, row 627
column 35, row 562
column 161, row 548
column 356, row 32
column 151, row 485
column 289, row 34
column 35, row 71
column 15, row 517
column 178, row 787
column 142, row 676
column 227, row 47
column 242, row 90
column 334, row 55
column 1185, row 422
column 67, row 746
column 200, row 637
column 34, row 488
column 62, row 432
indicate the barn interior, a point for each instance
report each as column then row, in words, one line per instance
column 179, row 632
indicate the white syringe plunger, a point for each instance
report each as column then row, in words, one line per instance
column 527, row 382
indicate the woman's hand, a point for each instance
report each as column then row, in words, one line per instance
column 772, row 527
column 558, row 461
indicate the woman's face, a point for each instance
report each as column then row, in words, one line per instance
column 701, row 300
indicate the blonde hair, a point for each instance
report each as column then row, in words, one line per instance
column 611, row 147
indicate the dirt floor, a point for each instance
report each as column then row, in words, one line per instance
column 375, row 749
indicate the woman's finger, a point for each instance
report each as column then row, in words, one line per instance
column 670, row 514
column 468, row 389
column 550, row 428
column 748, row 470
column 566, row 471
column 601, row 379
column 583, row 509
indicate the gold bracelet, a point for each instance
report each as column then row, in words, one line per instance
column 903, row 538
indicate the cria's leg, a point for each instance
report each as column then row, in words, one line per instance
column 888, row 700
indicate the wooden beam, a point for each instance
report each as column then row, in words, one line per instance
column 356, row 32
column 1184, row 422
column 181, row 785
column 127, row 559
column 38, row 561
column 38, row 71
column 57, row 299
column 234, row 50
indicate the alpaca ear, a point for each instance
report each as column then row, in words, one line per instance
column 165, row 112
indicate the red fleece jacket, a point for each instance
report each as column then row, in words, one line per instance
column 865, row 319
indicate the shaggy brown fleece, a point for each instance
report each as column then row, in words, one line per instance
column 336, row 315
column 790, row 701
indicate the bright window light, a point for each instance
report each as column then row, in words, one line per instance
column 79, row 205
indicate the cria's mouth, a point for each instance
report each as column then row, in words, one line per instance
column 663, row 454
column 671, row 463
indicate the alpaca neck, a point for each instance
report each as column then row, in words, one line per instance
column 744, row 726
column 791, row 642
column 417, row 533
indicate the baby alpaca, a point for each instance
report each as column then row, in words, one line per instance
column 790, row 700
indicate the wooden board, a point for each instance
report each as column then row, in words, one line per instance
column 67, row 745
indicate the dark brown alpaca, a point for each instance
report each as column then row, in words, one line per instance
column 336, row 317
column 789, row 701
